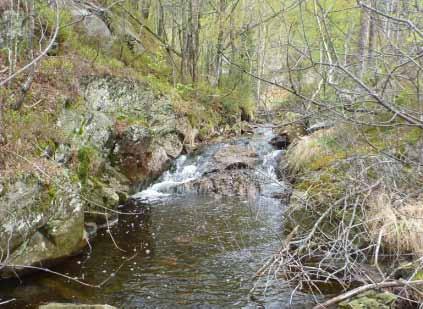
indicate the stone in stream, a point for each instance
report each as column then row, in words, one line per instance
column 229, row 172
column 74, row 306
column 234, row 157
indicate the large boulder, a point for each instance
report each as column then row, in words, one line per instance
column 40, row 222
column 86, row 127
column 137, row 156
column 92, row 25
column 117, row 96
column 89, row 22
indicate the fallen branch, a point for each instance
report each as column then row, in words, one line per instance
column 7, row 301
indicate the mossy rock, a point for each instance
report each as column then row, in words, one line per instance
column 46, row 222
column 370, row 300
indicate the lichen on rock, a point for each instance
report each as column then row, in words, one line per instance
column 41, row 222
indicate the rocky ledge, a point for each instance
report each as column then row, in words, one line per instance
column 120, row 135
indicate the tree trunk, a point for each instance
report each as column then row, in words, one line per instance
column 191, row 40
column 219, row 44
column 195, row 29
column 372, row 38
column 160, row 20
column 362, row 44
column 2, row 134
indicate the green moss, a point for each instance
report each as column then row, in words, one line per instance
column 414, row 135
column 52, row 66
column 324, row 161
column 323, row 186
column 407, row 97
column 31, row 128
column 418, row 276
column 370, row 300
column 97, row 56
column 133, row 119
column 159, row 85
column 52, row 192
column 85, row 155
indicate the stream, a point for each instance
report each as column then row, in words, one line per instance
column 179, row 249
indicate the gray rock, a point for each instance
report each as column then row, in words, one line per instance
column 236, row 182
column 92, row 128
column 63, row 154
column 93, row 25
column 21, row 212
column 171, row 144
column 39, row 222
column 234, row 157
column 118, row 96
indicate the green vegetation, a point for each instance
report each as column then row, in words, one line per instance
column 86, row 158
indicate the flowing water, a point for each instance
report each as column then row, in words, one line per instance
column 179, row 250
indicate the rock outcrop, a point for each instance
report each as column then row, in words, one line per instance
column 39, row 223
column 140, row 130
column 120, row 135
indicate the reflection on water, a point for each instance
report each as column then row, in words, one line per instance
column 193, row 252
column 182, row 252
